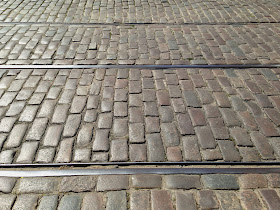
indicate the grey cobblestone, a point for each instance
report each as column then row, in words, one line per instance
column 185, row 199
column 37, row 185
column 139, row 200
column 27, row 152
column 112, row 182
column 182, row 182
column 197, row 50
column 149, row 126
column 7, row 156
column 16, row 136
column 119, row 150
column 155, row 148
column 221, row 191
column 93, row 201
column 101, row 141
column 177, row 13
column 7, row 184
column 48, row 202
column 72, row 124
column 216, row 181
column 45, row 155
column 52, row 136
column 116, row 200
column 228, row 200
column 77, row 184
column 70, row 202
column 146, row 181
column 26, row 201
column 37, row 129
column 7, row 201
column 64, row 154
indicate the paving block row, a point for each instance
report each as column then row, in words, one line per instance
column 99, row 115
column 138, row 44
column 223, row 191
column 169, row 11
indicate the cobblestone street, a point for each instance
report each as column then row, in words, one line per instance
column 140, row 11
column 139, row 115
column 214, row 191
column 107, row 118
column 138, row 44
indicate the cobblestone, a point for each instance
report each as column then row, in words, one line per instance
column 7, row 184
column 139, row 12
column 190, row 39
column 216, row 181
column 149, row 130
column 26, row 201
column 153, row 191
column 77, row 184
column 37, row 185
column 146, row 181
column 70, row 202
column 182, row 182
column 112, row 182
column 93, row 201
column 48, row 202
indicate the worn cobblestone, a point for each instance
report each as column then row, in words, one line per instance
column 189, row 42
column 221, row 191
column 148, row 130
column 162, row 12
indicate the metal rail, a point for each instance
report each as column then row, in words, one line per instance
column 143, row 23
column 132, row 171
column 206, row 163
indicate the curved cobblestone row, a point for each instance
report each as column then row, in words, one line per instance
column 100, row 115
column 167, row 11
column 214, row 191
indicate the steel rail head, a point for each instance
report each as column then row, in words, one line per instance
column 206, row 163
column 138, row 23
column 134, row 171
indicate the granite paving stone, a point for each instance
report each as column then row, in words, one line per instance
column 93, row 201
column 112, row 182
column 77, row 184
column 7, row 201
column 7, row 184
column 146, row 181
column 207, row 199
column 139, row 200
column 185, row 199
column 216, row 181
column 190, row 44
column 164, row 12
column 143, row 128
column 116, row 200
column 48, row 202
column 271, row 198
column 221, row 191
column 228, row 200
column 26, row 201
column 70, row 202
column 37, row 185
